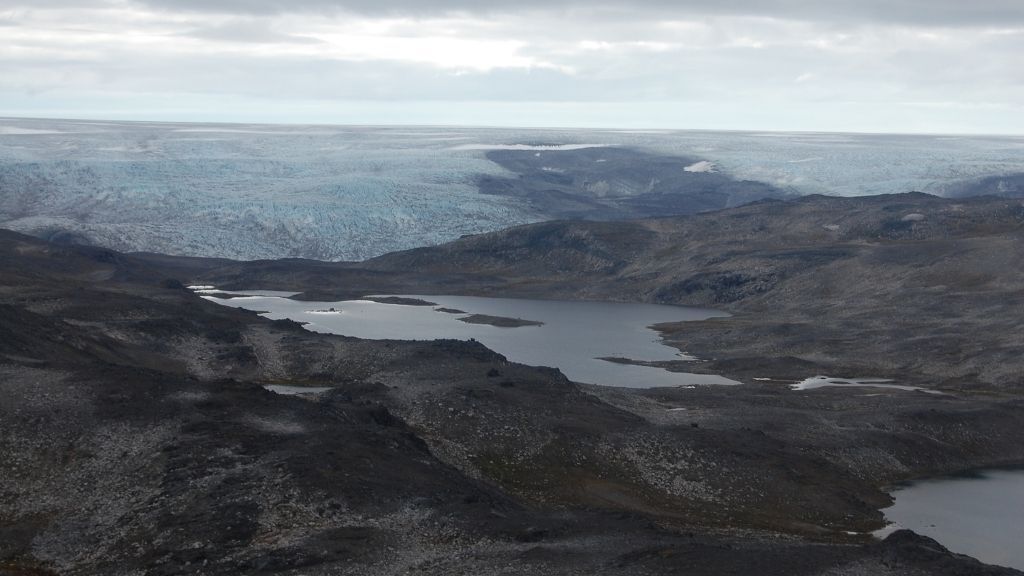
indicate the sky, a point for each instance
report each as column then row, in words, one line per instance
column 911, row 66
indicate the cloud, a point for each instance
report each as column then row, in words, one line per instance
column 943, row 13
column 247, row 31
column 765, row 61
column 954, row 13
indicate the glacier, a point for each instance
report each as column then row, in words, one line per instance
column 354, row 192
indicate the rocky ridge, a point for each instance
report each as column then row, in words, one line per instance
column 138, row 436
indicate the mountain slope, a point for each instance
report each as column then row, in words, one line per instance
column 136, row 436
column 908, row 286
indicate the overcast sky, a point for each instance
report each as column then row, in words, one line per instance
column 868, row 66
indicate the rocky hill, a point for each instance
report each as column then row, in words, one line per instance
column 606, row 183
column 137, row 436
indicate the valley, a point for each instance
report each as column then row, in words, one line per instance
column 514, row 469
column 816, row 285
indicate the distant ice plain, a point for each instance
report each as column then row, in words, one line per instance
column 354, row 192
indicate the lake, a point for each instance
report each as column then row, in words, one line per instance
column 981, row 515
column 573, row 335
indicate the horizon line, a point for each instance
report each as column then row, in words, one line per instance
column 594, row 128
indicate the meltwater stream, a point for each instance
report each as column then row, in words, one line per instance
column 574, row 336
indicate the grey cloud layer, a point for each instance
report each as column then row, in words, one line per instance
column 952, row 13
column 246, row 31
column 924, row 12
column 769, row 61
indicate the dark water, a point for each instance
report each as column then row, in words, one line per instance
column 573, row 337
column 981, row 516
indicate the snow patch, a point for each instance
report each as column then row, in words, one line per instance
column 827, row 381
column 15, row 131
column 526, row 146
column 296, row 390
column 639, row 131
column 702, row 166
column 230, row 131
